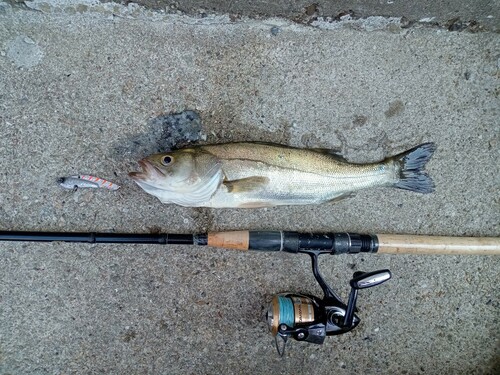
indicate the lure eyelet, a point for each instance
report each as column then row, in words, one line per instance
column 167, row 160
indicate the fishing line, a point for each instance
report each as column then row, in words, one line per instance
column 286, row 311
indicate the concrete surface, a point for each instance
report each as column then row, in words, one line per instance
column 450, row 14
column 81, row 83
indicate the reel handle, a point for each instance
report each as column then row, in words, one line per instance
column 362, row 280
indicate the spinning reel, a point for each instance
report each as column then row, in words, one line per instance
column 308, row 318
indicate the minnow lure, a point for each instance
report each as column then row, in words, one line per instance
column 86, row 181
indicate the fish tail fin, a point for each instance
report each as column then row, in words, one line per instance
column 410, row 165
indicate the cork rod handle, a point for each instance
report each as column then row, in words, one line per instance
column 416, row 244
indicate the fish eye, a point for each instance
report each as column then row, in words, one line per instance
column 166, row 160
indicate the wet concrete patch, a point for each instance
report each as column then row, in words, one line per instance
column 165, row 132
column 178, row 129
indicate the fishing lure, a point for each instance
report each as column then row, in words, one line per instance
column 86, row 181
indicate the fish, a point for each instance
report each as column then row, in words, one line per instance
column 255, row 175
column 86, row 181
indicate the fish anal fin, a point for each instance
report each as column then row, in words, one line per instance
column 246, row 184
column 255, row 205
column 341, row 197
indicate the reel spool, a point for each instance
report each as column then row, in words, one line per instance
column 292, row 310
column 311, row 319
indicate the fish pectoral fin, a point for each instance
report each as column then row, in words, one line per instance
column 341, row 197
column 246, row 184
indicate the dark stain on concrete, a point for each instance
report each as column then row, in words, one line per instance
column 129, row 336
column 360, row 120
column 395, row 108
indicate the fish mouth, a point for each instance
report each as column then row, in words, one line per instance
column 149, row 172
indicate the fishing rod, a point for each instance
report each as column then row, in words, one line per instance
column 291, row 242
column 302, row 317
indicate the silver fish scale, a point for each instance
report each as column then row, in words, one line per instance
column 288, row 185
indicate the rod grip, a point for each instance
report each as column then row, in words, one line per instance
column 293, row 242
column 419, row 244
column 253, row 240
column 237, row 240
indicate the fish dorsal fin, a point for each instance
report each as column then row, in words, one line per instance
column 246, row 184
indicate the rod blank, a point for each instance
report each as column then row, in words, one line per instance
column 138, row 238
